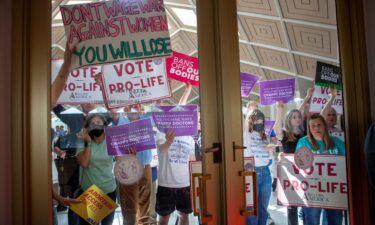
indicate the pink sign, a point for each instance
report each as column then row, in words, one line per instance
column 183, row 68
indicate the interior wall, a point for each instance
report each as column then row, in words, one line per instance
column 5, row 113
column 369, row 8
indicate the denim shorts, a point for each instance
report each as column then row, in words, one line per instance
column 170, row 199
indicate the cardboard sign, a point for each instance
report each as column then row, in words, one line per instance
column 321, row 96
column 80, row 86
column 95, row 205
column 328, row 75
column 247, row 83
column 195, row 170
column 135, row 81
column 137, row 134
column 182, row 119
column 324, row 185
column 249, row 165
column 183, row 68
column 272, row 91
column 116, row 30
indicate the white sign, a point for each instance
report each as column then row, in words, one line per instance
column 324, row 185
column 249, row 165
column 80, row 86
column 112, row 31
column 195, row 168
column 320, row 98
column 135, row 81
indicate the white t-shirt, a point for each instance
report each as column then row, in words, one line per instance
column 256, row 147
column 173, row 168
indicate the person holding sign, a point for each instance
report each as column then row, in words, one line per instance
column 319, row 141
column 174, row 154
column 330, row 114
column 256, row 142
column 96, row 164
column 289, row 135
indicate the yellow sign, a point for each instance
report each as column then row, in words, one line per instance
column 95, row 205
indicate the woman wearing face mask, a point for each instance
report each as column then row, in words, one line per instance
column 96, row 164
column 255, row 141
column 289, row 136
column 319, row 141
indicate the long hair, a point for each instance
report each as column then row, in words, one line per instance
column 326, row 138
column 290, row 135
column 255, row 115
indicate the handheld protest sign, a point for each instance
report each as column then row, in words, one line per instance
column 182, row 119
column 138, row 134
column 135, row 81
column 323, row 185
column 304, row 158
column 80, row 86
column 183, row 68
column 128, row 169
column 272, row 91
column 328, row 75
column 247, row 83
column 95, row 205
column 321, row 96
column 111, row 31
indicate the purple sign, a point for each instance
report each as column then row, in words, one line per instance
column 247, row 83
column 268, row 125
column 137, row 134
column 182, row 119
column 272, row 91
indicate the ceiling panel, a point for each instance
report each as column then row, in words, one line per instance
column 264, row 31
column 247, row 53
column 314, row 40
column 306, row 66
column 320, row 11
column 266, row 7
column 273, row 58
column 252, row 70
column 274, row 75
column 181, row 42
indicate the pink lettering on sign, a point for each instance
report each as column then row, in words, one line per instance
column 183, row 68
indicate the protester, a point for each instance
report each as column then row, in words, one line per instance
column 330, row 114
column 255, row 141
column 319, row 141
column 96, row 164
column 174, row 154
column 289, row 136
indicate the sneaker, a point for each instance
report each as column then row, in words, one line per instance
column 270, row 221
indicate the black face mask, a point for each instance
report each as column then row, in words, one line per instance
column 258, row 127
column 95, row 130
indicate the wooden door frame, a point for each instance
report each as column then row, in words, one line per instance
column 357, row 110
column 31, row 161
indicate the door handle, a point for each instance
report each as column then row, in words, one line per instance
column 204, row 216
column 236, row 147
column 248, row 188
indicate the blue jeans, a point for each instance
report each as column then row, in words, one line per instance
column 332, row 217
column 264, row 186
column 311, row 216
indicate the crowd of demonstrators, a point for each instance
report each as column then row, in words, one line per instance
column 91, row 163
